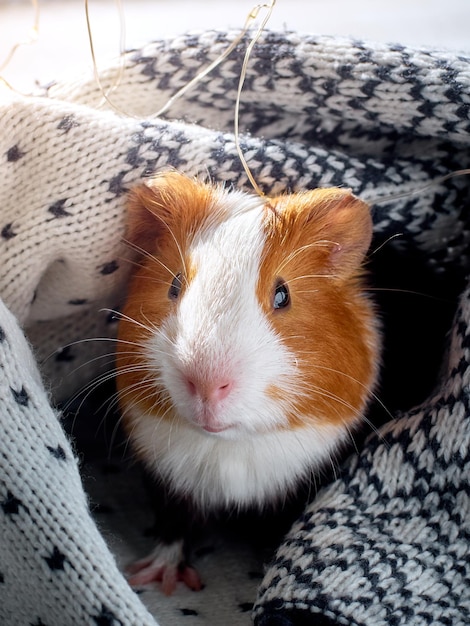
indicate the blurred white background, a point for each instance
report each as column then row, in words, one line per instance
column 63, row 47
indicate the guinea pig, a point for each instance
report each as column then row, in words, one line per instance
column 248, row 347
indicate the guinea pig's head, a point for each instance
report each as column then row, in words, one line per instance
column 246, row 315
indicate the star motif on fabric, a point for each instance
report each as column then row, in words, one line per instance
column 21, row 397
column 67, row 123
column 15, row 154
column 109, row 268
column 57, row 209
column 8, row 232
column 189, row 612
column 78, row 301
column 58, row 452
column 106, row 618
column 11, row 505
column 56, row 560
column 116, row 186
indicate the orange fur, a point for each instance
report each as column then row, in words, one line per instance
column 168, row 203
column 163, row 214
column 316, row 242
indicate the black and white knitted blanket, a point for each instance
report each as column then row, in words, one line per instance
column 386, row 542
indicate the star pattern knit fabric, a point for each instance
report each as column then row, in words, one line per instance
column 387, row 542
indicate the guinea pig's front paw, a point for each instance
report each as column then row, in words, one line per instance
column 165, row 565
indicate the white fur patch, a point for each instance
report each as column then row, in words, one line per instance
column 215, row 472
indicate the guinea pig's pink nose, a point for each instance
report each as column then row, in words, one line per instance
column 211, row 391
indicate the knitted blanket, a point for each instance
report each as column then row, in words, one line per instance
column 386, row 541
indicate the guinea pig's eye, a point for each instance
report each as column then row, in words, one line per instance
column 281, row 296
column 175, row 287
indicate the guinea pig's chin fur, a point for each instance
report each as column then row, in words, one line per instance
column 217, row 471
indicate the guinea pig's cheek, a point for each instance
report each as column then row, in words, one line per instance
column 158, row 350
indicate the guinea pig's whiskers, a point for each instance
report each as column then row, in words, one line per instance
column 383, row 244
column 154, row 259
column 156, row 329
column 308, row 388
column 321, row 243
column 87, row 390
column 338, row 401
column 360, row 415
column 139, row 390
column 109, row 355
column 78, row 342
column 410, row 292
column 180, row 252
column 131, row 320
column 306, row 276
column 146, row 389
column 157, row 280
column 173, row 426
column 142, row 252
column 129, row 432
column 350, row 434
column 114, row 435
column 158, row 418
column 318, row 470
column 371, row 393
column 91, row 387
column 110, row 403
column 151, row 257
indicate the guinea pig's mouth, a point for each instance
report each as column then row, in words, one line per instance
column 214, row 429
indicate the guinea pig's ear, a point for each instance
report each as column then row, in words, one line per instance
column 168, row 202
column 349, row 224
column 151, row 209
column 340, row 220
column 142, row 225
column 336, row 220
